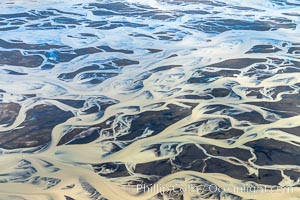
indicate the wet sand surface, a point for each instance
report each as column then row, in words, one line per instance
column 119, row 99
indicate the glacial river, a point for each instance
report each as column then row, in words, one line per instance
column 149, row 99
